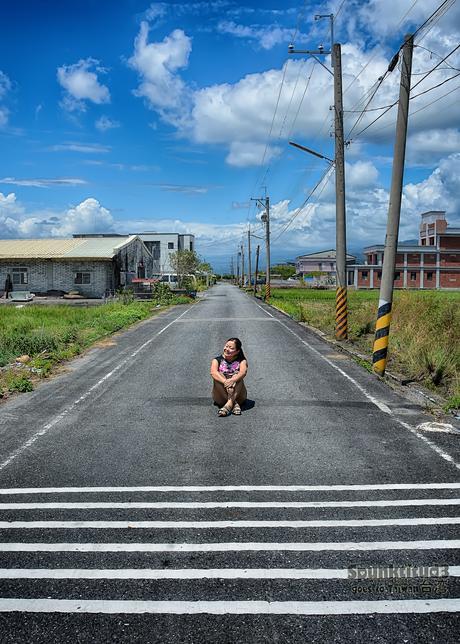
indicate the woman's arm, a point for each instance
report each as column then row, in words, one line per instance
column 241, row 373
column 215, row 375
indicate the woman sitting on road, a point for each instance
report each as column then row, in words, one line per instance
column 228, row 371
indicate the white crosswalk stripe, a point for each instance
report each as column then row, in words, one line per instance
column 361, row 544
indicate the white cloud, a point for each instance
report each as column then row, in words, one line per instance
column 246, row 153
column 362, row 174
column 104, row 123
column 87, row 148
column 5, row 87
column 16, row 222
column 43, row 183
column 88, row 217
column 266, row 36
column 81, row 84
column 157, row 64
column 5, row 84
column 439, row 191
column 425, row 148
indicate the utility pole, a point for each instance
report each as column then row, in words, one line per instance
column 382, row 327
column 257, row 270
column 238, row 269
column 341, row 309
column 232, row 268
column 242, row 265
column 266, row 219
column 265, row 203
column 249, row 256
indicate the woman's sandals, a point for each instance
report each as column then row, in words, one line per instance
column 236, row 409
column 225, row 411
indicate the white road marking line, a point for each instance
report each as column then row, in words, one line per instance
column 182, row 505
column 233, row 488
column 382, row 406
column 82, row 398
column 445, row 428
column 185, row 525
column 235, row 546
column 253, row 319
column 265, row 311
column 408, row 606
column 186, row 573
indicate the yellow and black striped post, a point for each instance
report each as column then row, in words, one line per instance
column 267, row 291
column 341, row 327
column 382, row 332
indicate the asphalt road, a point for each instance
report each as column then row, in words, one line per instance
column 130, row 512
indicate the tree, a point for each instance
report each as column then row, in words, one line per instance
column 284, row 270
column 184, row 262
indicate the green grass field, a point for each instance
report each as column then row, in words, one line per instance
column 51, row 334
column 424, row 334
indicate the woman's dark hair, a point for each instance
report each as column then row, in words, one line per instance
column 238, row 346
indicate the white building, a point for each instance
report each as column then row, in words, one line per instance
column 161, row 245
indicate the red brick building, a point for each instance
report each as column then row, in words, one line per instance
column 433, row 263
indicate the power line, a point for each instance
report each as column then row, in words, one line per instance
column 324, row 178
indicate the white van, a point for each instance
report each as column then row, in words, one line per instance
column 168, row 278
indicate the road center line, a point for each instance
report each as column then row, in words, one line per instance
column 17, row 452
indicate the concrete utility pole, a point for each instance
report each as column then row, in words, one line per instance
column 232, row 268
column 249, row 256
column 266, row 219
column 242, row 265
column 257, row 270
column 382, row 327
column 238, row 269
column 341, row 308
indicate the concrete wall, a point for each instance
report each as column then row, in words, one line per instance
column 59, row 275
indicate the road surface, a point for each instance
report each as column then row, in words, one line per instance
column 130, row 512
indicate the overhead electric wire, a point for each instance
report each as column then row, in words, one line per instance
column 324, row 178
column 433, row 18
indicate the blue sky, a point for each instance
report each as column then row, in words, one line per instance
column 128, row 116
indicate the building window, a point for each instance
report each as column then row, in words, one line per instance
column 429, row 276
column 431, row 241
column 397, row 276
column 20, row 275
column 423, row 242
column 170, row 245
column 379, row 274
column 191, row 245
column 364, row 275
column 413, row 276
column 82, row 278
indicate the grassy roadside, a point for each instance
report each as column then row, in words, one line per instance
column 425, row 331
column 49, row 335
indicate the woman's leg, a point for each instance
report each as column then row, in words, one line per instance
column 219, row 394
column 240, row 392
